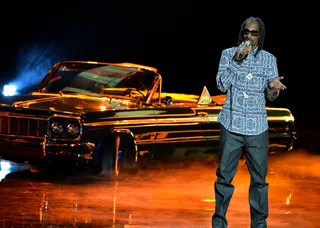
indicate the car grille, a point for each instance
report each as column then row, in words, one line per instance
column 23, row 126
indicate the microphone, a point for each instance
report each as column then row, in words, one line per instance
column 242, row 46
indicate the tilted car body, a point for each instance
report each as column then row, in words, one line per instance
column 113, row 116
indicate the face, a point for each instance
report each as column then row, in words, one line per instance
column 251, row 32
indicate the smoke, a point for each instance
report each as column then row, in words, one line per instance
column 33, row 63
column 297, row 164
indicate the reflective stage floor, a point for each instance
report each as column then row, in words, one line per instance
column 163, row 196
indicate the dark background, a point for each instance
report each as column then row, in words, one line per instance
column 183, row 39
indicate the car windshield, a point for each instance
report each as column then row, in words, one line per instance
column 99, row 79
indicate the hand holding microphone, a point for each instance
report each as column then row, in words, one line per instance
column 243, row 49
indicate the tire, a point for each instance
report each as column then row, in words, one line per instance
column 107, row 159
column 116, row 156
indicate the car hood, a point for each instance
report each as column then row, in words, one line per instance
column 67, row 103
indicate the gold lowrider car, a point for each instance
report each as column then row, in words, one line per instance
column 113, row 116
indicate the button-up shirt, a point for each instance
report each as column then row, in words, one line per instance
column 246, row 84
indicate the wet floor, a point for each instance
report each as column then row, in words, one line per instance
column 163, row 196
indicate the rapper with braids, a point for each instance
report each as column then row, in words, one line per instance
column 248, row 75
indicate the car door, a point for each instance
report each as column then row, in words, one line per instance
column 181, row 131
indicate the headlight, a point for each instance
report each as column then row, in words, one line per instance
column 57, row 128
column 64, row 127
column 73, row 129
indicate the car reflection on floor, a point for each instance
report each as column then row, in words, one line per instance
column 164, row 195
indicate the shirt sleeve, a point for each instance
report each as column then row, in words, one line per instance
column 226, row 71
column 272, row 73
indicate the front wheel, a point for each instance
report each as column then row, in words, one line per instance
column 115, row 156
column 108, row 158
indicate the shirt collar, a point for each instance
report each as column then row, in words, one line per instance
column 254, row 51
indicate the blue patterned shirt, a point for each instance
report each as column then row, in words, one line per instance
column 246, row 84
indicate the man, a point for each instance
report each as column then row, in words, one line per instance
column 249, row 75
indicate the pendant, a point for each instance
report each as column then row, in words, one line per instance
column 245, row 95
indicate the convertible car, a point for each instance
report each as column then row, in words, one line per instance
column 113, row 116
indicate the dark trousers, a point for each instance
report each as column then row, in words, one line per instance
column 257, row 147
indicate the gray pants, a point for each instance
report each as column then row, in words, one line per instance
column 257, row 147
